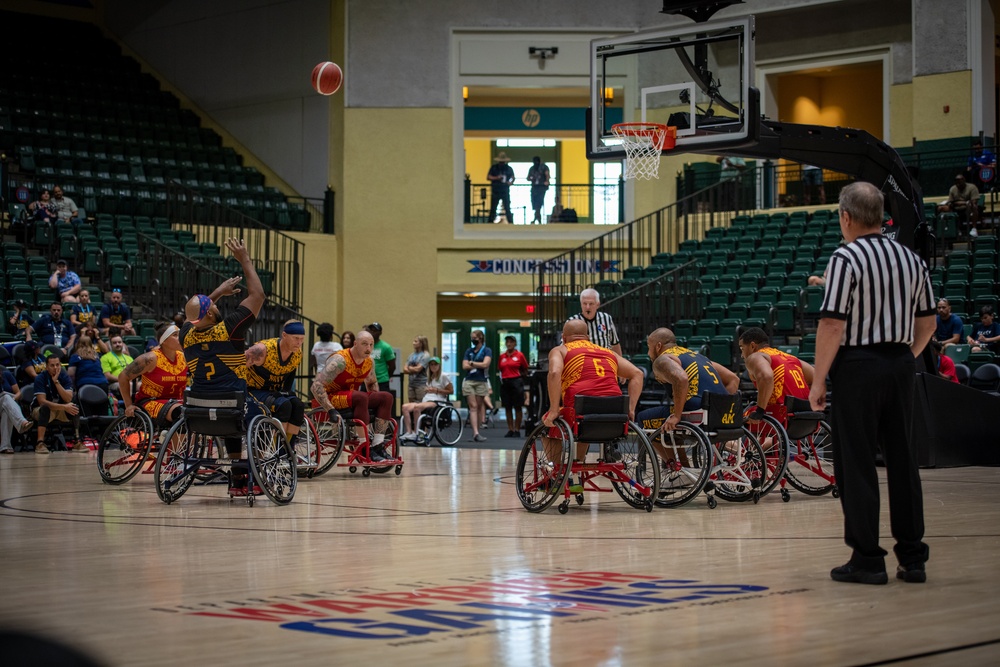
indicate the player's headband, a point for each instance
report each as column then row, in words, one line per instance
column 204, row 305
column 171, row 330
column 295, row 329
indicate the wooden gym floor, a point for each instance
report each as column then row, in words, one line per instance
column 442, row 566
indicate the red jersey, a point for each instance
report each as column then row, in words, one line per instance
column 512, row 364
column 788, row 381
column 352, row 378
column 166, row 381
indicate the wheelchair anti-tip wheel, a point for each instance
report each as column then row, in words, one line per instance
column 541, row 477
column 124, row 448
column 271, row 459
column 686, row 463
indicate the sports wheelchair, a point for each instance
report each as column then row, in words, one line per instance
column 125, row 446
column 355, row 439
column 626, row 459
column 443, row 422
column 710, row 450
column 193, row 448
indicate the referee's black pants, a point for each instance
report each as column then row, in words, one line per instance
column 872, row 404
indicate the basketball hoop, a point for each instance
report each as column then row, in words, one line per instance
column 642, row 143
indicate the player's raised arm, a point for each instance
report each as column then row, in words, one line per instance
column 255, row 298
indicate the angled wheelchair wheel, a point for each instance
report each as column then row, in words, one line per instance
column 448, row 425
column 686, row 463
column 331, row 437
column 743, row 469
column 307, row 449
column 774, row 441
column 271, row 459
column 810, row 462
column 124, row 448
column 541, row 476
column 641, row 465
column 177, row 462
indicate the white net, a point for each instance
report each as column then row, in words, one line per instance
column 642, row 143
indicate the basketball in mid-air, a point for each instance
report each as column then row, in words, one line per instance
column 327, row 77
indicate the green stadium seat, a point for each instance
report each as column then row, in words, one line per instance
column 684, row 328
column 785, row 319
column 807, row 344
column 977, row 359
column 707, row 328
column 716, row 311
column 720, row 349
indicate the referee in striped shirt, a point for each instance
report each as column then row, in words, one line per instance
column 600, row 326
column 877, row 316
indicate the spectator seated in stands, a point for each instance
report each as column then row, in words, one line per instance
column 114, row 361
column 66, row 283
column 66, row 209
column 963, row 200
column 980, row 158
column 949, row 326
column 10, row 412
column 985, row 334
column 84, row 314
column 84, row 366
column 52, row 329
column 43, row 210
column 944, row 366
column 33, row 364
column 117, row 314
column 20, row 320
column 54, row 402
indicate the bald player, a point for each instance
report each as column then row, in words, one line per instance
column 337, row 387
column 214, row 347
column 580, row 367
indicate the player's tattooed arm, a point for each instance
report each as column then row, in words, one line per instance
column 334, row 367
column 140, row 366
column 256, row 354
column 371, row 381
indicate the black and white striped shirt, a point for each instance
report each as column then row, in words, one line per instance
column 601, row 329
column 879, row 287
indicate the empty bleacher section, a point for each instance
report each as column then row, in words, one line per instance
column 160, row 193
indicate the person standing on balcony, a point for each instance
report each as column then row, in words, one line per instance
column 538, row 176
column 600, row 326
column 500, row 177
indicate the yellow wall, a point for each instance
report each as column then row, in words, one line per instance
column 901, row 114
column 931, row 94
column 478, row 158
column 834, row 100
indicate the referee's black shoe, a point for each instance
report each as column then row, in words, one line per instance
column 853, row 574
column 912, row 574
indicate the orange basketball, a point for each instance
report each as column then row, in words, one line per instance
column 327, row 77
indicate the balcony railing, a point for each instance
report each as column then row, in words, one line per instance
column 599, row 204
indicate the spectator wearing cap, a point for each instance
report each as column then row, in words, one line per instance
column 20, row 320
column 52, row 329
column 383, row 357
column 66, row 283
column 117, row 314
column 500, row 177
column 33, row 364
